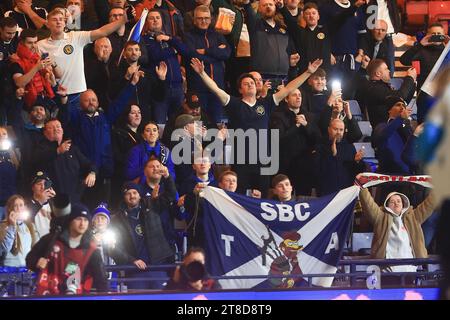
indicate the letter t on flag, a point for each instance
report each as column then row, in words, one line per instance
column 135, row 33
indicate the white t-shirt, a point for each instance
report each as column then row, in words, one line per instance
column 68, row 55
column 42, row 220
column 383, row 14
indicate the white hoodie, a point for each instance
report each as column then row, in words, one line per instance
column 399, row 244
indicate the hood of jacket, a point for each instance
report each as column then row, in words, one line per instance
column 405, row 200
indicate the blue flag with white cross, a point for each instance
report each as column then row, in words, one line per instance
column 258, row 237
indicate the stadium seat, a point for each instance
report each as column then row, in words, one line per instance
column 369, row 152
column 369, row 155
column 361, row 241
column 396, row 83
column 366, row 130
column 355, row 109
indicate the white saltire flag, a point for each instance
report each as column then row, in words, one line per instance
column 248, row 236
column 444, row 59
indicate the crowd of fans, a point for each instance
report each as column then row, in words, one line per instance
column 87, row 116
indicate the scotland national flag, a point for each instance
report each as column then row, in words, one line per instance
column 444, row 60
column 135, row 33
column 248, row 236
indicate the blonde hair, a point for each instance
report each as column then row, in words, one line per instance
column 56, row 11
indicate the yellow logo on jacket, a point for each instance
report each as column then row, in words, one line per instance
column 260, row 111
column 68, row 49
column 139, row 230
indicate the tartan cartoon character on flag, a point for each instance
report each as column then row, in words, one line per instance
column 284, row 257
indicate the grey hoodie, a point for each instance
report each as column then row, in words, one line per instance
column 399, row 244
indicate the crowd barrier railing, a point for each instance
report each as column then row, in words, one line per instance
column 20, row 281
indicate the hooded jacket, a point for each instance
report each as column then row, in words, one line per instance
column 382, row 220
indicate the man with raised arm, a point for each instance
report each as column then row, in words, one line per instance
column 248, row 112
column 66, row 50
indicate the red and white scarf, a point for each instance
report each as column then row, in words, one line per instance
column 368, row 179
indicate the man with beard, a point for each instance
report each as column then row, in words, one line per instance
column 334, row 159
column 143, row 226
column 120, row 37
column 270, row 42
column 91, row 132
column 298, row 136
column 148, row 88
column 375, row 91
column 311, row 42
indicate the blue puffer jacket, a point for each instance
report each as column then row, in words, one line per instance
column 139, row 155
column 214, row 57
column 93, row 134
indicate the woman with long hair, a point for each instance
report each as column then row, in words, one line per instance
column 17, row 233
column 151, row 146
column 124, row 137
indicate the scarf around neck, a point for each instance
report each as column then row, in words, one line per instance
column 38, row 85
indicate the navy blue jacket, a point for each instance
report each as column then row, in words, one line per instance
column 167, row 52
column 93, row 134
column 270, row 47
column 139, row 155
column 389, row 139
column 214, row 57
column 344, row 25
column 155, row 221
column 189, row 184
column 334, row 172
column 164, row 205
column 66, row 170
